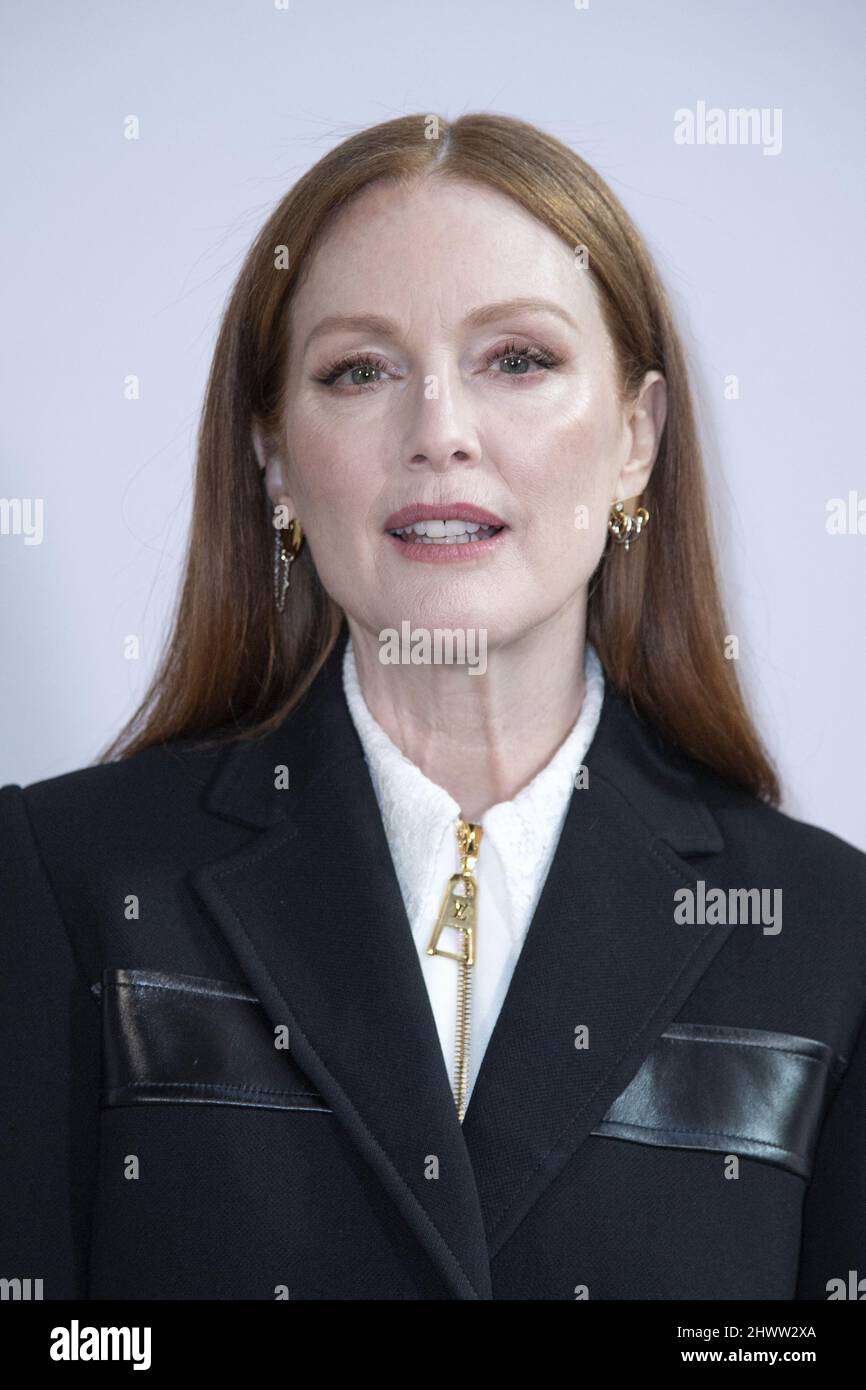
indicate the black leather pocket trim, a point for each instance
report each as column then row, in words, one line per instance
column 729, row 1090
column 173, row 1039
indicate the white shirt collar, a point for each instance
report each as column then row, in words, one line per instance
column 418, row 815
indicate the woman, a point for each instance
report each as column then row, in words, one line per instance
column 433, row 931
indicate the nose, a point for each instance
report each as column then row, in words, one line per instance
column 438, row 460
column 443, row 432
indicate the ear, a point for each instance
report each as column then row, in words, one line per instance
column 644, row 423
column 272, row 468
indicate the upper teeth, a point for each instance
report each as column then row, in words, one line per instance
column 452, row 527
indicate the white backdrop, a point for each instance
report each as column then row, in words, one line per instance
column 118, row 255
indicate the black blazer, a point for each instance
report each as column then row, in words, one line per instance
column 168, row 919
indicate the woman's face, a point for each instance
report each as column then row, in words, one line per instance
column 416, row 378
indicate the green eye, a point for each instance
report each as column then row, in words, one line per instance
column 522, row 353
column 516, row 357
column 354, row 363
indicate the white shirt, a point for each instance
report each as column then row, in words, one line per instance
column 517, row 846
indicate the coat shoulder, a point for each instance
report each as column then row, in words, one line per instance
column 95, row 829
column 165, row 778
column 781, row 838
column 820, row 875
column 74, row 847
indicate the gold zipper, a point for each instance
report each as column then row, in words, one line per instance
column 459, row 910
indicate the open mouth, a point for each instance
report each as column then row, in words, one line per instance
column 451, row 532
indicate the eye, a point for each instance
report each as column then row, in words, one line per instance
column 358, row 362
column 519, row 356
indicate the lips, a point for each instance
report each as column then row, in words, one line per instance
column 442, row 511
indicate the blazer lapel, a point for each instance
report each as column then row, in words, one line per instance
column 603, row 953
column 313, row 911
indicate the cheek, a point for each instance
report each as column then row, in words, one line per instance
column 338, row 497
column 564, row 480
column 330, row 481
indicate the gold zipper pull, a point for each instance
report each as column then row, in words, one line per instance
column 459, row 911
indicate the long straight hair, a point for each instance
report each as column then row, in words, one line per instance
column 233, row 667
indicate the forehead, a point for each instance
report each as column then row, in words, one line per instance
column 440, row 245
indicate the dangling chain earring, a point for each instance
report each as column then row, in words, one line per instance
column 625, row 528
column 284, row 559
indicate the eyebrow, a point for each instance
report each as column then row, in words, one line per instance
column 476, row 318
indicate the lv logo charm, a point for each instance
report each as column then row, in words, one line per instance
column 458, row 911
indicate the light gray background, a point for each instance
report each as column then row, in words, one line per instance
column 118, row 255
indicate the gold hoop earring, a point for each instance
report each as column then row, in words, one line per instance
column 625, row 528
column 285, row 558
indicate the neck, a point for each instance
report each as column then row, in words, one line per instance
column 481, row 737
